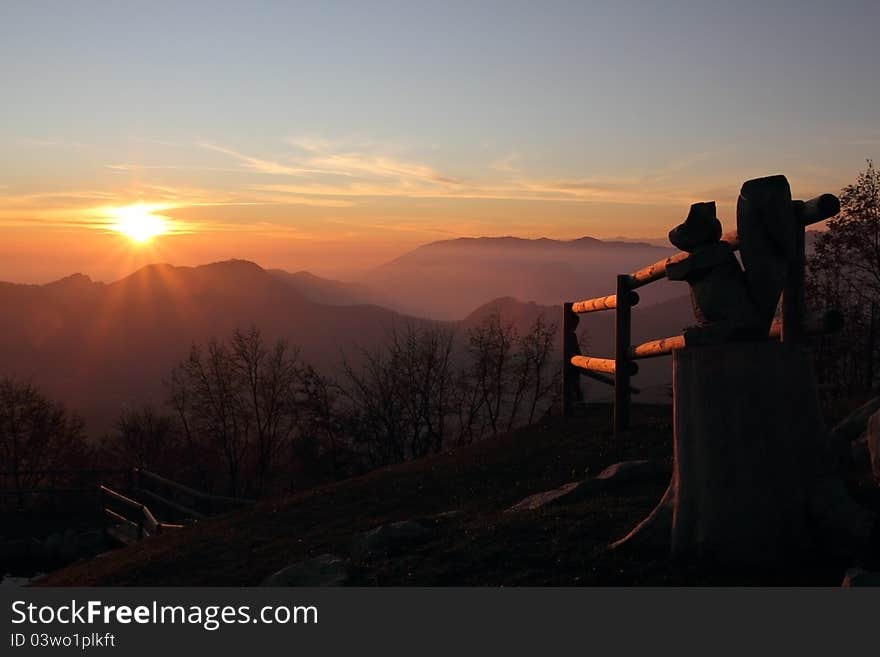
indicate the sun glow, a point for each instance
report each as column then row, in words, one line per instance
column 139, row 222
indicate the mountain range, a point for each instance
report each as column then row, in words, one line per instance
column 447, row 279
column 101, row 346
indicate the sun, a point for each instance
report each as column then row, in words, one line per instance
column 139, row 223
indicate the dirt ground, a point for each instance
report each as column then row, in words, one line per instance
column 483, row 546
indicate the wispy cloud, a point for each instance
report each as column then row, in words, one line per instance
column 319, row 173
column 262, row 165
column 321, row 168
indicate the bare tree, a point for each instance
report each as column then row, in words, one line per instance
column 216, row 408
column 491, row 344
column 399, row 400
column 541, row 369
column 321, row 440
column 36, row 434
column 844, row 273
column 145, row 438
column 269, row 377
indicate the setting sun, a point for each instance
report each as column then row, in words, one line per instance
column 139, row 223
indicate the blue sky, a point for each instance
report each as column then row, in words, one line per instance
column 402, row 122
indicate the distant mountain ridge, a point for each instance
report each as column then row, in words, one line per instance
column 447, row 279
column 525, row 243
column 328, row 291
column 99, row 346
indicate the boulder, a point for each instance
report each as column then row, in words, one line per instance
column 566, row 494
column 623, row 472
column 388, row 539
column 323, row 570
column 859, row 577
column 626, row 472
column 438, row 519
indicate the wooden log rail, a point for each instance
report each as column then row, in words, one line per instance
column 830, row 321
column 809, row 212
column 142, row 520
column 793, row 326
column 212, row 503
column 600, row 364
column 601, row 303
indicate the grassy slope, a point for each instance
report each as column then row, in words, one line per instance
column 484, row 546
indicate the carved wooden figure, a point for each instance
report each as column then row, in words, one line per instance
column 722, row 305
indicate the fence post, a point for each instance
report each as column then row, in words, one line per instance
column 622, row 329
column 793, row 292
column 570, row 376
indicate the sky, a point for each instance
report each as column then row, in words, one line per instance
column 334, row 136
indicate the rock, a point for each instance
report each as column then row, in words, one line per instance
column 566, row 494
column 323, row 570
column 387, row 539
column 438, row 519
column 447, row 516
column 624, row 472
column 873, row 440
column 859, row 577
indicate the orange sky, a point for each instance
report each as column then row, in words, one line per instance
column 42, row 242
column 306, row 137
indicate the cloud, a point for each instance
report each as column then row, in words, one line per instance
column 262, row 165
column 320, row 173
column 133, row 168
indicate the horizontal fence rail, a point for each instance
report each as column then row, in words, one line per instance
column 617, row 371
column 607, row 365
column 133, row 515
column 187, row 498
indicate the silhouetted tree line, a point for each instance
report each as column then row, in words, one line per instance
column 248, row 417
column 844, row 273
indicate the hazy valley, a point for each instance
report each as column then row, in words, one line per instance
column 102, row 347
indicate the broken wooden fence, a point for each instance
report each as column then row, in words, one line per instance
column 135, row 520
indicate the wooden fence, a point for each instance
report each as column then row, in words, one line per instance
column 136, row 520
column 132, row 521
column 131, row 500
column 618, row 371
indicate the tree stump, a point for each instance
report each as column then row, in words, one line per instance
column 751, row 457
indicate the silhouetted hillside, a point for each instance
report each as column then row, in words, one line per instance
column 98, row 347
column 447, row 279
column 328, row 291
column 460, row 498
